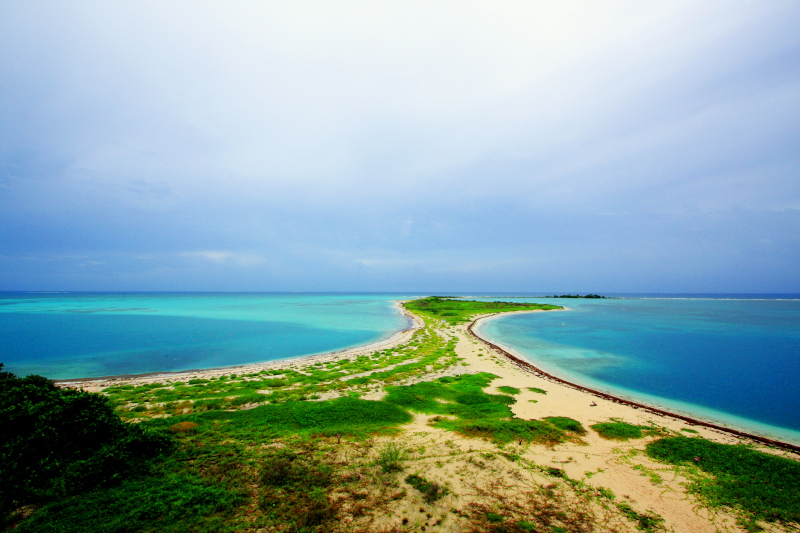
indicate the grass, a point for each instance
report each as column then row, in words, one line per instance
column 760, row 485
column 505, row 389
column 464, row 407
column 537, row 390
column 619, row 430
column 342, row 416
column 172, row 503
column 648, row 521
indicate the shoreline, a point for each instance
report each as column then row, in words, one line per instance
column 399, row 337
column 526, row 366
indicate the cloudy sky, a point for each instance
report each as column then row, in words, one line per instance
column 400, row 146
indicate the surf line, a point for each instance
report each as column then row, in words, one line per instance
column 528, row 367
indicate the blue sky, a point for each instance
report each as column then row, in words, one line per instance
column 408, row 146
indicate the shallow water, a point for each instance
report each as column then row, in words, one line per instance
column 63, row 336
column 735, row 361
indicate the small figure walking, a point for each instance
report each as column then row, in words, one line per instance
column 520, row 441
column 339, row 438
column 696, row 459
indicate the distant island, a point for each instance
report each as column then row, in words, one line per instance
column 576, row 296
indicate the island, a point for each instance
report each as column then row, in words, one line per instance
column 437, row 430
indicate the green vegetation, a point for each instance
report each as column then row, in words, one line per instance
column 390, row 457
column 170, row 504
column 761, row 486
column 566, row 424
column 294, row 489
column 619, row 430
column 644, row 521
column 464, row 407
column 457, row 311
column 59, row 442
column 508, row 390
column 536, row 390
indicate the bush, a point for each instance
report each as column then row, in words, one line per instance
column 619, row 430
column 430, row 491
column 566, row 424
column 390, row 457
column 57, row 442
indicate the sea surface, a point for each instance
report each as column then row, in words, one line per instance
column 732, row 359
column 74, row 335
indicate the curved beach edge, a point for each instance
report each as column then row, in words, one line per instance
column 526, row 366
column 397, row 338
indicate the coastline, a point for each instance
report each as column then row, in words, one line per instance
column 94, row 384
column 525, row 365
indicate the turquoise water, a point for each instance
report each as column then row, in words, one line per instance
column 64, row 336
column 734, row 361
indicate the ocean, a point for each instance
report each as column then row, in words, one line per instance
column 731, row 359
column 64, row 336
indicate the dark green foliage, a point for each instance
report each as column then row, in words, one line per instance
column 430, row 491
column 171, row 504
column 536, row 390
column 566, row 424
column 57, row 442
column 619, row 430
column 456, row 311
column 765, row 486
column 505, row 389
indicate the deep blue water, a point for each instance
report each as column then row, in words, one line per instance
column 722, row 359
column 63, row 336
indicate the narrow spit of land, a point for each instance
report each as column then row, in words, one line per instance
column 437, row 431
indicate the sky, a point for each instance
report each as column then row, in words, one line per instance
column 620, row 146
